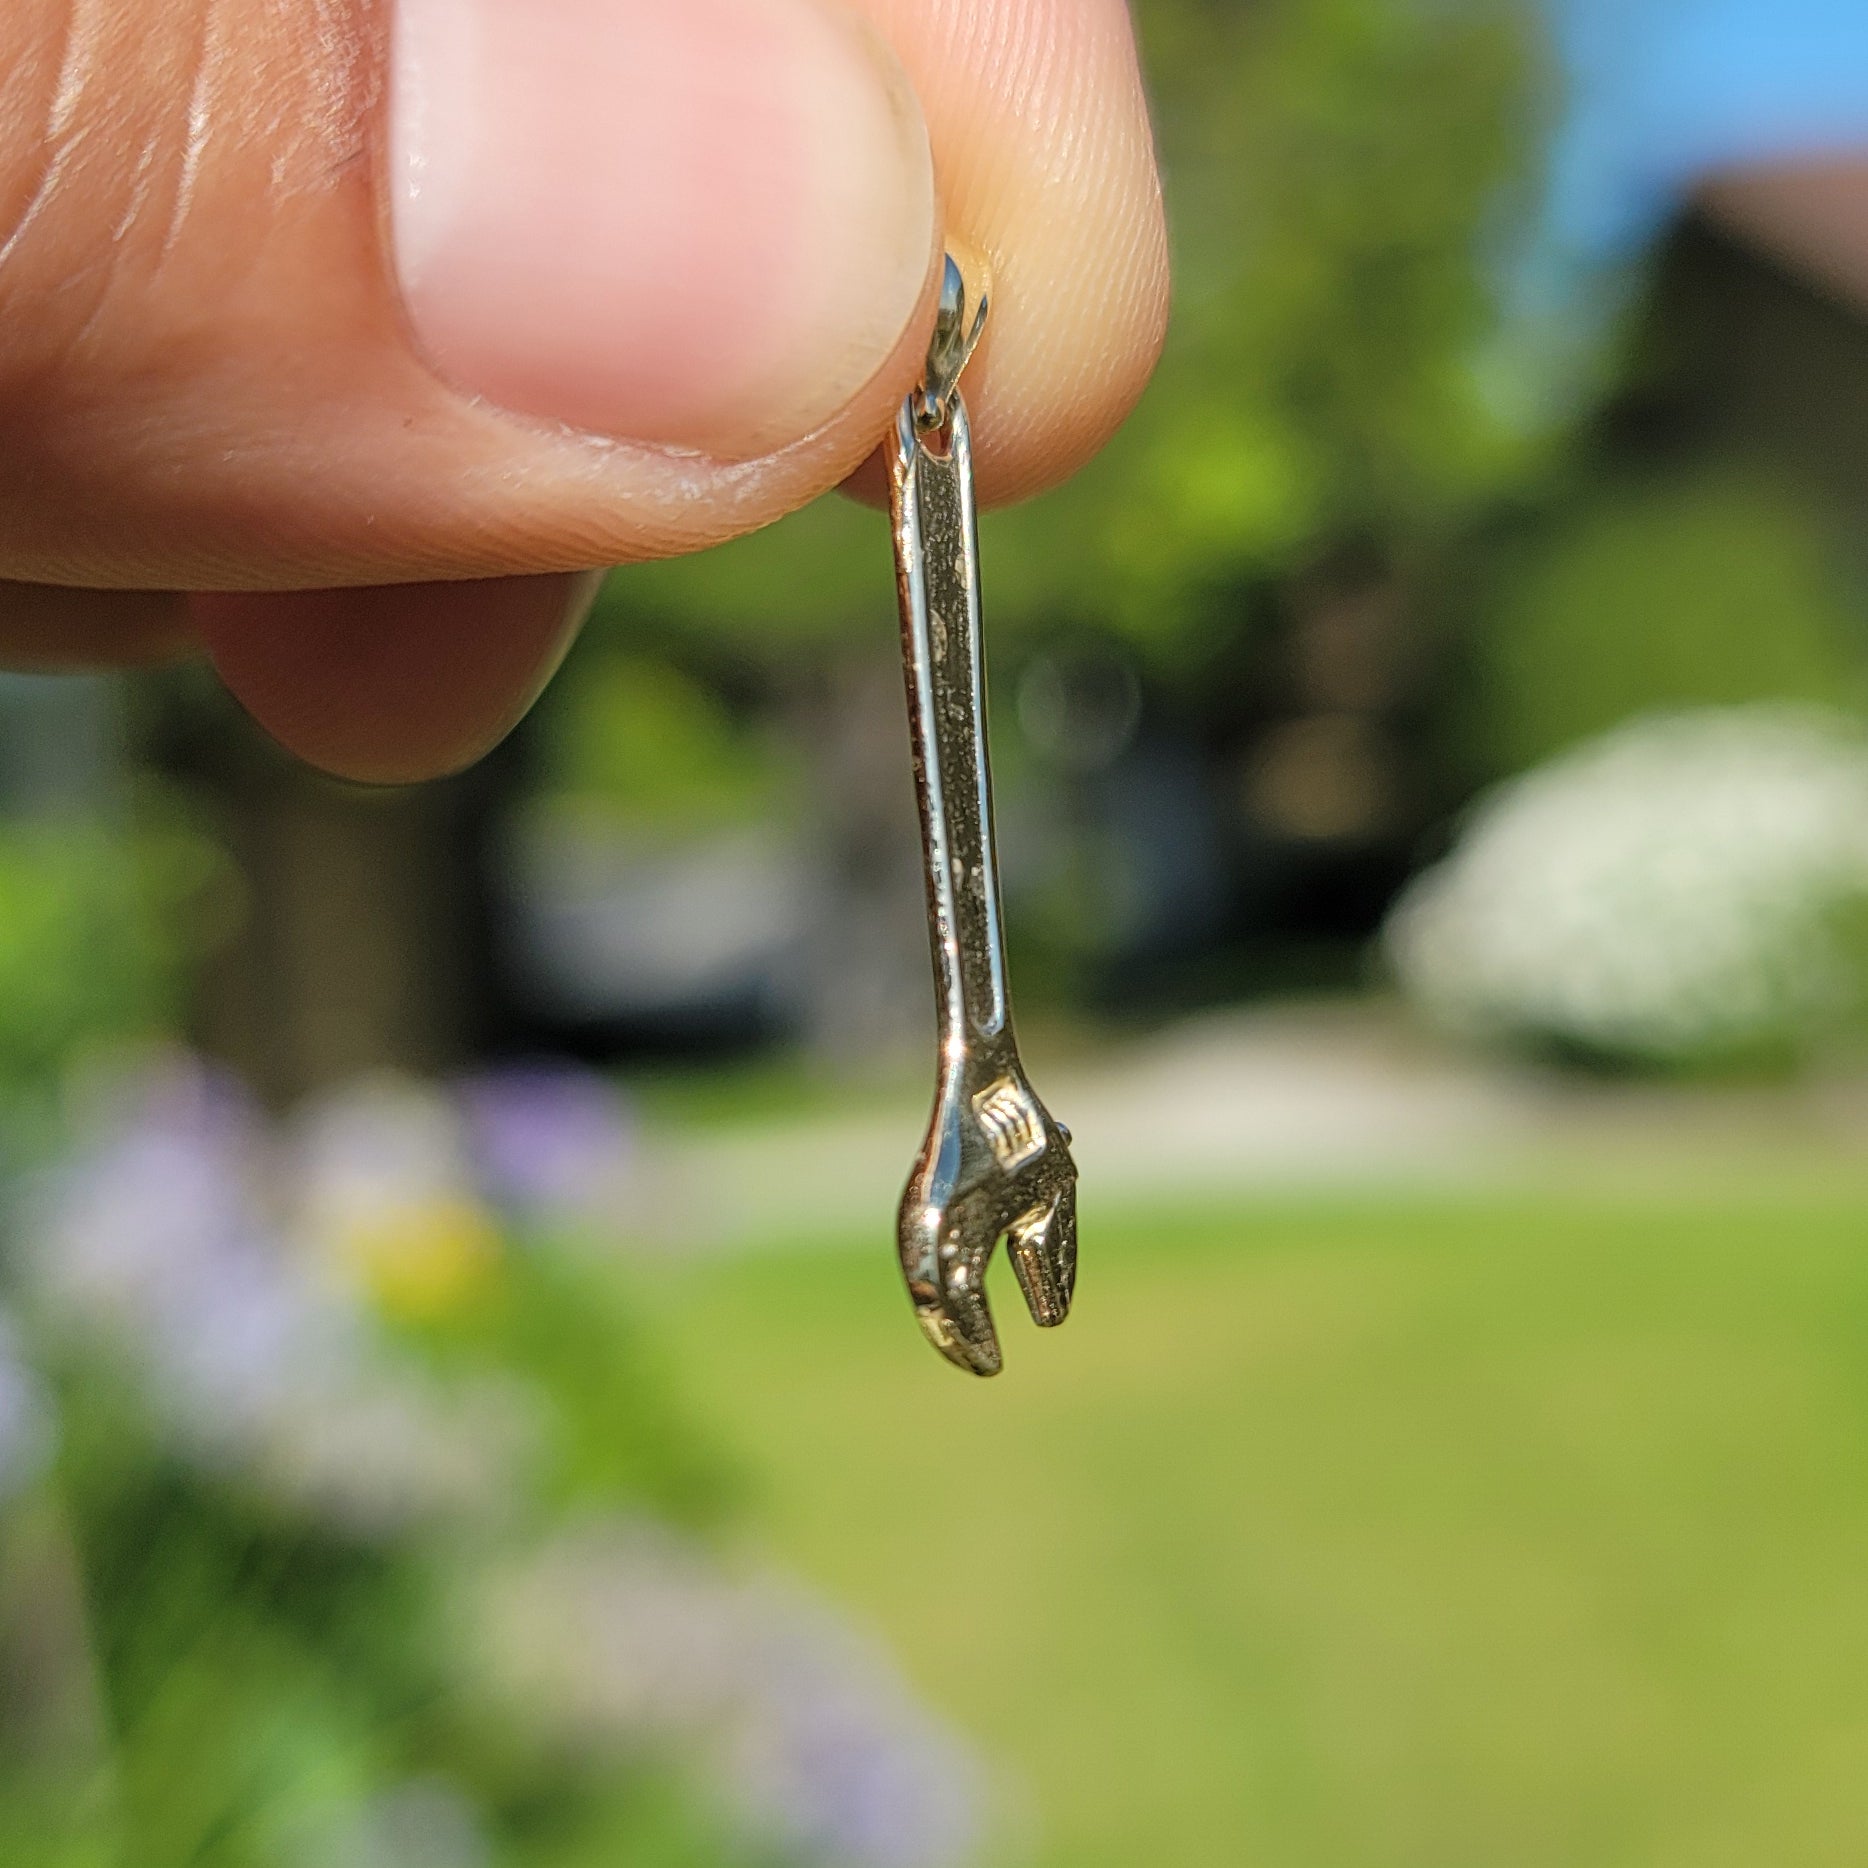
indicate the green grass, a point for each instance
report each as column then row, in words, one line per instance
column 1468, row 1534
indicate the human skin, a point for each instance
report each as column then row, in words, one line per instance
column 341, row 340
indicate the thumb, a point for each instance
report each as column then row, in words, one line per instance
column 298, row 296
column 296, row 293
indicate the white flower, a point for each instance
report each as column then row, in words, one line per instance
column 375, row 1151
column 1670, row 890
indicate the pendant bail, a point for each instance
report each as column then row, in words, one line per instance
column 965, row 300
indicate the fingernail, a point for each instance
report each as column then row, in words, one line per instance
column 696, row 223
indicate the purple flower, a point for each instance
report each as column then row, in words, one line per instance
column 158, row 1243
column 626, row 1635
column 838, row 1757
column 550, row 1141
column 25, row 1418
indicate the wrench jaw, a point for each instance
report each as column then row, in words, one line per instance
column 946, row 1238
column 1043, row 1248
column 951, row 1305
column 960, row 1202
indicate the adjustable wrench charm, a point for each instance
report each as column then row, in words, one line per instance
column 994, row 1164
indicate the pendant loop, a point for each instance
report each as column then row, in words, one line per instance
column 958, row 326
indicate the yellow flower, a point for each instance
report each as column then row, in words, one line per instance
column 421, row 1260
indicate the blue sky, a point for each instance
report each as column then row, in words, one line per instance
column 1662, row 90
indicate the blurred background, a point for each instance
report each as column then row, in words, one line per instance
column 457, row 1407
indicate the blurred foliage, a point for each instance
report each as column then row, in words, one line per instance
column 561, row 1321
column 1707, row 588
column 100, row 923
column 265, row 1686
column 1332, row 168
column 212, row 1665
column 350, row 1519
column 641, row 741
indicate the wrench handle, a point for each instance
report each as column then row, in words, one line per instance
column 937, row 578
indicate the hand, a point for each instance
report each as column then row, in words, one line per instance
column 328, row 305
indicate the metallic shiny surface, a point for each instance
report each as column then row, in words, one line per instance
column 958, row 326
column 994, row 1164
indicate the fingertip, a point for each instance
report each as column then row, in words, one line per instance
column 396, row 684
